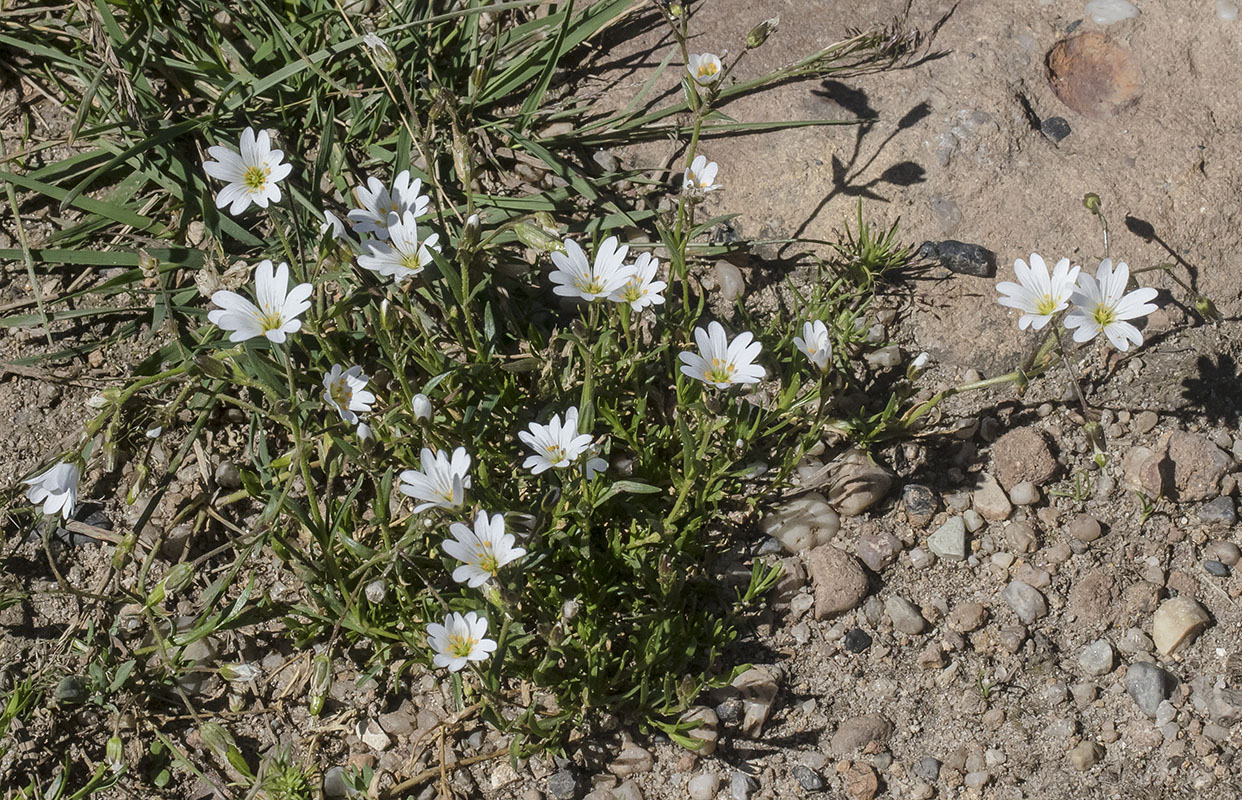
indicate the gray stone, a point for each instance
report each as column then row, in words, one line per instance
column 708, row 728
column 1025, row 600
column 1085, row 528
column 632, row 760
column 627, row 791
column 854, row 734
column 968, row 617
column 960, row 257
column 563, row 785
column 905, row 616
column 1098, row 658
column 1134, row 641
column 838, row 579
column 949, row 540
column 1024, row 493
column 1145, row 422
column 741, row 785
column 802, row 523
column 1021, row 537
column 1148, row 686
column 1216, row 568
column 855, row 482
column 228, row 475
column 731, row 284
column 973, row 520
column 703, row 786
column 807, row 778
column 1218, row 512
column 928, row 768
column 1055, row 128
column 1109, row 12
column 334, row 783
column 990, row 500
column 1176, row 623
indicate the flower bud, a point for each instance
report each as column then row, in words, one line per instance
column 211, row 367
column 422, row 407
column 759, row 34
column 917, row 366
column 148, row 264
column 532, row 236
column 569, row 610
column 321, row 678
column 239, row 672
column 216, row 738
column 384, row 57
column 114, row 753
column 1091, row 201
column 364, row 431
column 1207, row 309
column 376, row 591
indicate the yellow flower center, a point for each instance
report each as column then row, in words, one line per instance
column 1046, row 305
column 721, row 371
column 461, row 646
column 590, row 285
column 271, row 321
column 555, row 453
column 708, row 69
column 487, row 559
column 255, row 178
column 1103, row 316
column 341, row 393
column 411, row 262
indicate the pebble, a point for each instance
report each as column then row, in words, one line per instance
column 635, row 760
column 861, row 782
column 1226, row 10
column 1108, row 12
column 802, row 523
column 1025, row 600
column 1148, row 686
column 1085, row 755
column 1226, row 553
column 708, row 728
column 920, row 504
column 627, row 791
column 1055, row 128
column 960, row 257
column 857, row 640
column 1197, row 466
column 228, row 475
column 1021, row 537
column 1216, row 568
column 758, row 688
column 838, row 579
column 1085, row 528
column 334, row 783
column 856, row 732
column 920, row 558
column 1098, row 658
column 878, row 550
column 855, row 483
column 928, row 768
column 1178, row 621
column 968, row 617
column 741, row 785
column 972, row 520
column 989, row 499
column 373, row 736
column 807, row 778
column 562, row 785
column 949, row 540
column 1218, row 512
column 730, row 284
column 703, row 786
column 905, row 616
column 1134, row 641
column 1024, row 493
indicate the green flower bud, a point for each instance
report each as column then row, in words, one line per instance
column 321, row 678
column 148, row 264
column 1207, row 309
column 532, row 236
column 759, row 34
column 216, row 738
column 384, row 57
column 114, row 753
column 1091, row 201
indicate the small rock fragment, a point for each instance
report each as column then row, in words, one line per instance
column 920, row 504
column 949, row 540
column 758, row 689
column 857, row 640
column 1148, row 686
column 960, row 257
column 1023, row 454
column 878, row 550
column 807, row 778
column 1108, row 12
column 703, row 786
column 1024, row 493
column 1098, row 658
column 1085, row 755
column 838, row 579
column 968, row 617
column 1177, row 622
column 802, row 523
column 708, row 728
column 855, row 483
column 563, row 785
column 1218, row 512
column 1216, row 568
column 905, row 615
column 989, row 499
column 1025, row 600
column 634, row 760
column 1226, row 553
column 1085, row 528
column 854, row 733
column 741, row 785
column 1055, row 128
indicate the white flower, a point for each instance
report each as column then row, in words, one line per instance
column 483, row 550
column 704, row 68
column 700, row 176
column 555, row 444
column 345, row 391
column 641, row 290
column 331, row 222
column 1101, row 304
column 252, row 175
column 815, row 344
column 575, row 277
column 720, row 362
column 56, row 489
column 459, row 640
column 1036, row 295
column 277, row 312
column 422, row 406
column 403, row 257
column 364, row 431
column 378, row 203
column 154, row 433
column 920, row 361
column 441, row 482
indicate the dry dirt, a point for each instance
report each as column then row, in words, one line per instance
column 951, row 146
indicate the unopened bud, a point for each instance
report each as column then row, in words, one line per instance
column 321, row 678
column 676, row 10
column 239, row 672
column 422, row 407
column 211, row 367
column 364, row 431
column 569, row 610
column 384, row 57
column 114, row 753
column 917, row 366
column 537, row 238
column 759, row 34
column 149, row 264
column 1207, row 309
column 469, row 233
column 376, row 591
column 216, row 738
column 1091, row 201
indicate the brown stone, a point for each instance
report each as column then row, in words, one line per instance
column 1093, row 75
column 1023, row 454
column 861, row 782
column 839, row 581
